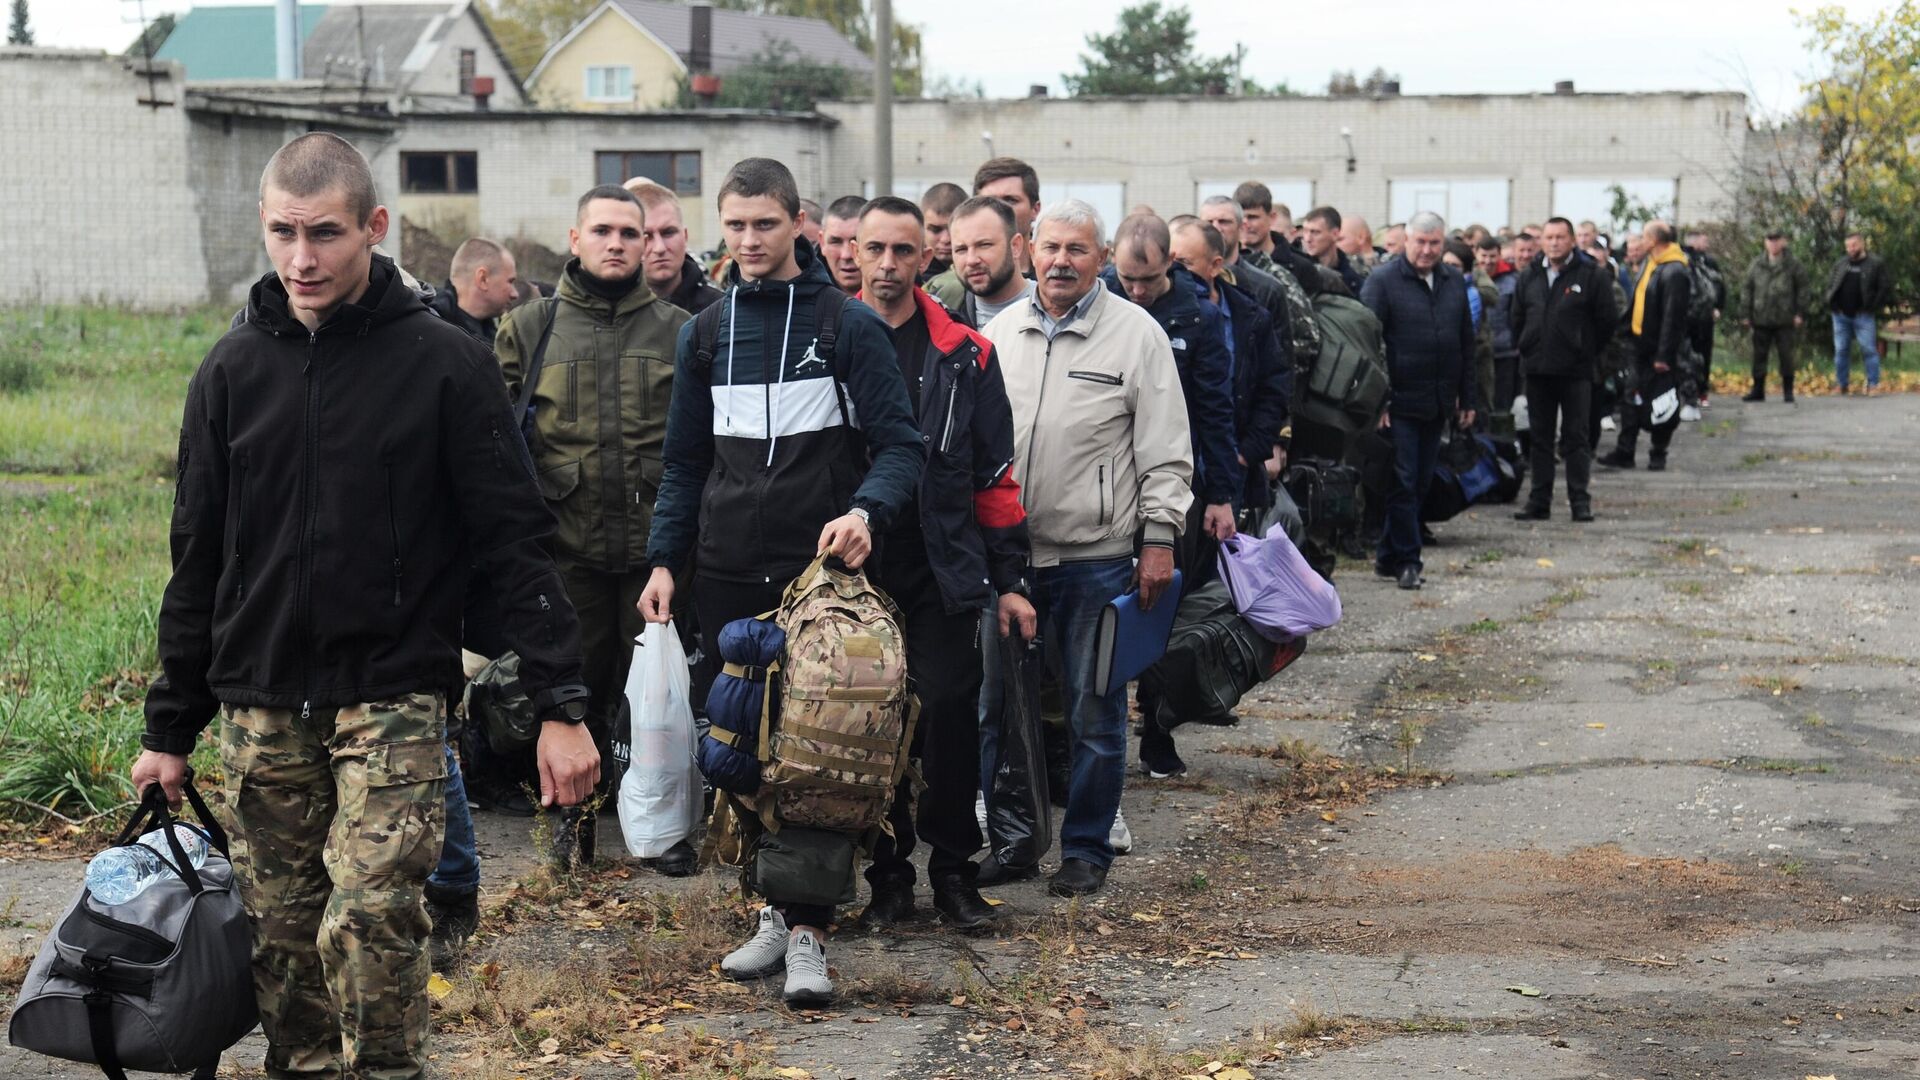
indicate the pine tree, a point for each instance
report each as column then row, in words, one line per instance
column 18, row 32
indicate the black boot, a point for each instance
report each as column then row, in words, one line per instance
column 991, row 871
column 892, row 904
column 1618, row 459
column 573, row 839
column 959, row 903
column 680, row 860
column 1758, row 393
column 456, row 915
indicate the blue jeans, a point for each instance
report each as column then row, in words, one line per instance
column 1848, row 329
column 1416, row 449
column 459, row 869
column 1069, row 598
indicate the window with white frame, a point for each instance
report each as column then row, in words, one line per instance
column 610, row 83
column 1460, row 201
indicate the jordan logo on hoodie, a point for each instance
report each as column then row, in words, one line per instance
column 809, row 359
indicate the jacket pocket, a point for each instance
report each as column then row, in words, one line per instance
column 559, row 481
column 1106, row 378
column 1103, row 472
column 393, row 532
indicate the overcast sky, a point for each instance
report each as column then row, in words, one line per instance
column 1486, row 46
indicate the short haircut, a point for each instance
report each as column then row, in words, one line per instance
column 1856, row 234
column 652, row 195
column 1002, row 167
column 322, row 161
column 1426, row 221
column 1326, row 215
column 612, row 192
column 1558, row 221
column 1657, row 232
column 812, row 210
column 1216, row 243
column 891, row 204
column 988, row 203
column 941, row 198
column 1590, row 225
column 1459, row 250
column 1488, row 242
column 846, row 208
column 1280, row 210
column 1140, row 231
column 1239, row 212
column 1074, row 212
column 757, row 176
column 1254, row 195
column 478, row 251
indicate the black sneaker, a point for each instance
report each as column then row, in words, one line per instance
column 680, row 860
column 1657, row 463
column 1755, row 395
column 1159, row 760
column 892, row 904
column 1615, row 460
column 1583, row 514
column 1409, row 577
column 1532, row 513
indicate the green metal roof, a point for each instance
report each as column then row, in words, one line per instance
column 230, row 42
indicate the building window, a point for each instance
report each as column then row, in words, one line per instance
column 440, row 172
column 468, row 59
column 676, row 170
column 610, row 84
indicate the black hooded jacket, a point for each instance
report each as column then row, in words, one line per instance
column 334, row 488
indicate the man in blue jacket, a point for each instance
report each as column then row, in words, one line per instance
column 1428, row 328
column 761, row 452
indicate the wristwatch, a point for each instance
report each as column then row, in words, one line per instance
column 861, row 513
column 569, row 706
column 1021, row 588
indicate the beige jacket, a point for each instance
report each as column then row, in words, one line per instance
column 1100, row 430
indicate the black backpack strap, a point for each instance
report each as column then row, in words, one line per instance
column 531, row 377
column 828, row 307
column 706, row 335
column 100, row 1031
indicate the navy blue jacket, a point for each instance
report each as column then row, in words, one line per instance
column 1429, row 338
column 757, row 455
column 1262, row 386
column 1199, row 340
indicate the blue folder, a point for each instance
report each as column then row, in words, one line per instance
column 1130, row 640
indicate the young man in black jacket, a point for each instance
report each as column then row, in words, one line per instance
column 762, row 471
column 960, row 547
column 1562, row 317
column 343, row 454
column 1657, row 319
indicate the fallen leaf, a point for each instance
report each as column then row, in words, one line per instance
column 1248, row 956
column 438, row 987
column 549, row 1045
column 1212, row 1067
column 1545, row 564
column 1014, row 1023
column 991, row 902
column 1597, row 726
column 1524, row 990
column 792, row 1072
column 959, row 1001
column 1235, row 1073
column 1141, row 916
column 654, row 1028
column 1426, row 658
column 1829, row 1076
column 1329, row 817
column 681, row 1005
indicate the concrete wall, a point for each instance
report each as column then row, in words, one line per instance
column 97, row 202
column 610, row 39
column 1164, row 149
column 228, row 154
column 534, row 167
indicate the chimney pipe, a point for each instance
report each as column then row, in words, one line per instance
column 286, row 39
column 1564, row 86
column 700, row 43
column 1035, row 90
column 482, row 92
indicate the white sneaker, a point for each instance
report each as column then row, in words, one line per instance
column 807, row 982
column 1120, row 838
column 980, row 812
column 1607, row 423
column 764, row 953
column 1689, row 413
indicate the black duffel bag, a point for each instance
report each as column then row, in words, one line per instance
column 161, row 983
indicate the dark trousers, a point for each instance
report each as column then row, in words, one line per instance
column 1416, row 449
column 609, row 621
column 943, row 661
column 717, row 603
column 1506, row 383
column 1556, row 402
column 1778, row 340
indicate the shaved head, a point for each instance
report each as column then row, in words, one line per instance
column 321, row 161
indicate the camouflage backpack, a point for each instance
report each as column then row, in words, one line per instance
column 837, row 749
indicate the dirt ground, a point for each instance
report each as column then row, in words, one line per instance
column 1629, row 799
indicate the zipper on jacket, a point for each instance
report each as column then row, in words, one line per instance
column 499, row 455
column 1033, row 435
column 393, row 533
column 547, row 606
column 953, row 394
column 239, row 537
column 310, row 497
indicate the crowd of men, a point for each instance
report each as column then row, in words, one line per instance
column 1007, row 413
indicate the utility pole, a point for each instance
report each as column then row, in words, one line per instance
column 882, row 97
column 286, row 40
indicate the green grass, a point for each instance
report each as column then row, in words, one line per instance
column 1481, row 626
column 86, row 486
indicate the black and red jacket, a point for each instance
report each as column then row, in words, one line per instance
column 969, row 504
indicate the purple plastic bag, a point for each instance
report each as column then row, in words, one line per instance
column 1273, row 587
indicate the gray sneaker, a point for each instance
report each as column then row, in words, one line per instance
column 807, row 982
column 764, row 953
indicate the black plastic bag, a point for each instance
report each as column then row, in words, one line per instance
column 1019, row 811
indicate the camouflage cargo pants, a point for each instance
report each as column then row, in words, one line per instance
column 338, row 820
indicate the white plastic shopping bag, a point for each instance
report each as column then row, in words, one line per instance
column 661, row 796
